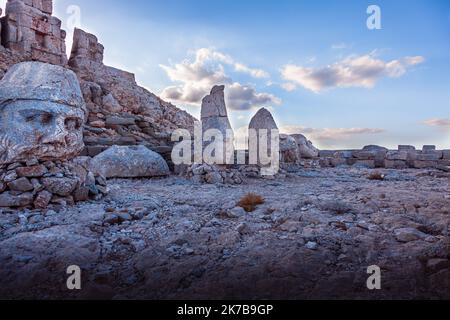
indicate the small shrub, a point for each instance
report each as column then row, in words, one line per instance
column 250, row 201
column 376, row 176
column 337, row 207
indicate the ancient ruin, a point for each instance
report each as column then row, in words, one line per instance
column 30, row 29
column 214, row 116
column 42, row 113
column 87, row 179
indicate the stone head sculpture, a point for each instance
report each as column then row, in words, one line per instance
column 42, row 113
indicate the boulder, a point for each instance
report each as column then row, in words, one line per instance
column 374, row 148
column 409, row 234
column 21, row 184
column 397, row 155
column 32, row 172
column 43, row 200
column 289, row 149
column 61, row 186
column 305, row 147
column 7, row 199
column 129, row 162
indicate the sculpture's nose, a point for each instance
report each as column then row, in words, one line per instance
column 58, row 135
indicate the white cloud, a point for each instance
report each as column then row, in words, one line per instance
column 289, row 87
column 440, row 123
column 324, row 138
column 339, row 46
column 354, row 71
column 244, row 97
column 197, row 77
column 331, row 136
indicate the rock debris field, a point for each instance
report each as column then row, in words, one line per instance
column 313, row 238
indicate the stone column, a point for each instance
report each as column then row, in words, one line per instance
column 214, row 117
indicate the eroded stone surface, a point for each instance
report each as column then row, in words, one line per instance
column 43, row 184
column 30, row 29
column 313, row 238
column 42, row 113
column 306, row 147
column 129, row 162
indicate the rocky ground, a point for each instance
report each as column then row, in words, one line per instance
column 314, row 237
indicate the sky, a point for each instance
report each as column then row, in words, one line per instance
column 315, row 64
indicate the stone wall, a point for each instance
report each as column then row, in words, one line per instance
column 377, row 157
column 121, row 112
column 39, row 184
column 30, row 29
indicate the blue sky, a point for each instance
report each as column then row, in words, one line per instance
column 315, row 64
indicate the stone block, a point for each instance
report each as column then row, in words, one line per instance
column 364, row 155
column 326, row 153
column 429, row 156
column 337, row 162
column 395, row 164
column 365, row 164
column 344, row 154
column 406, row 148
column 424, row 164
column 397, row 155
column 428, row 148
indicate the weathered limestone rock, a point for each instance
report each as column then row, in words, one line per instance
column 214, row 116
column 22, row 184
column 41, row 184
column 86, row 50
column 406, row 148
column 110, row 90
column 374, row 148
column 212, row 174
column 42, row 113
column 60, row 186
column 262, row 120
column 446, row 154
column 30, row 29
column 409, row 234
column 289, row 149
column 306, row 148
column 7, row 199
column 397, row 155
column 110, row 104
column 428, row 148
column 129, row 162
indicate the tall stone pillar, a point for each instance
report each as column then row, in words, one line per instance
column 214, row 117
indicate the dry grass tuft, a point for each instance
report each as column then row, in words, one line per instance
column 250, row 201
column 376, row 176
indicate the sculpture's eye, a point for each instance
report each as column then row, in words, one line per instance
column 73, row 123
column 46, row 118
column 38, row 116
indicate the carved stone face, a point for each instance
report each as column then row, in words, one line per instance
column 39, row 129
column 42, row 113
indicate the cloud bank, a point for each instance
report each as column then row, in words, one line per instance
column 327, row 134
column 440, row 123
column 354, row 71
column 196, row 78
